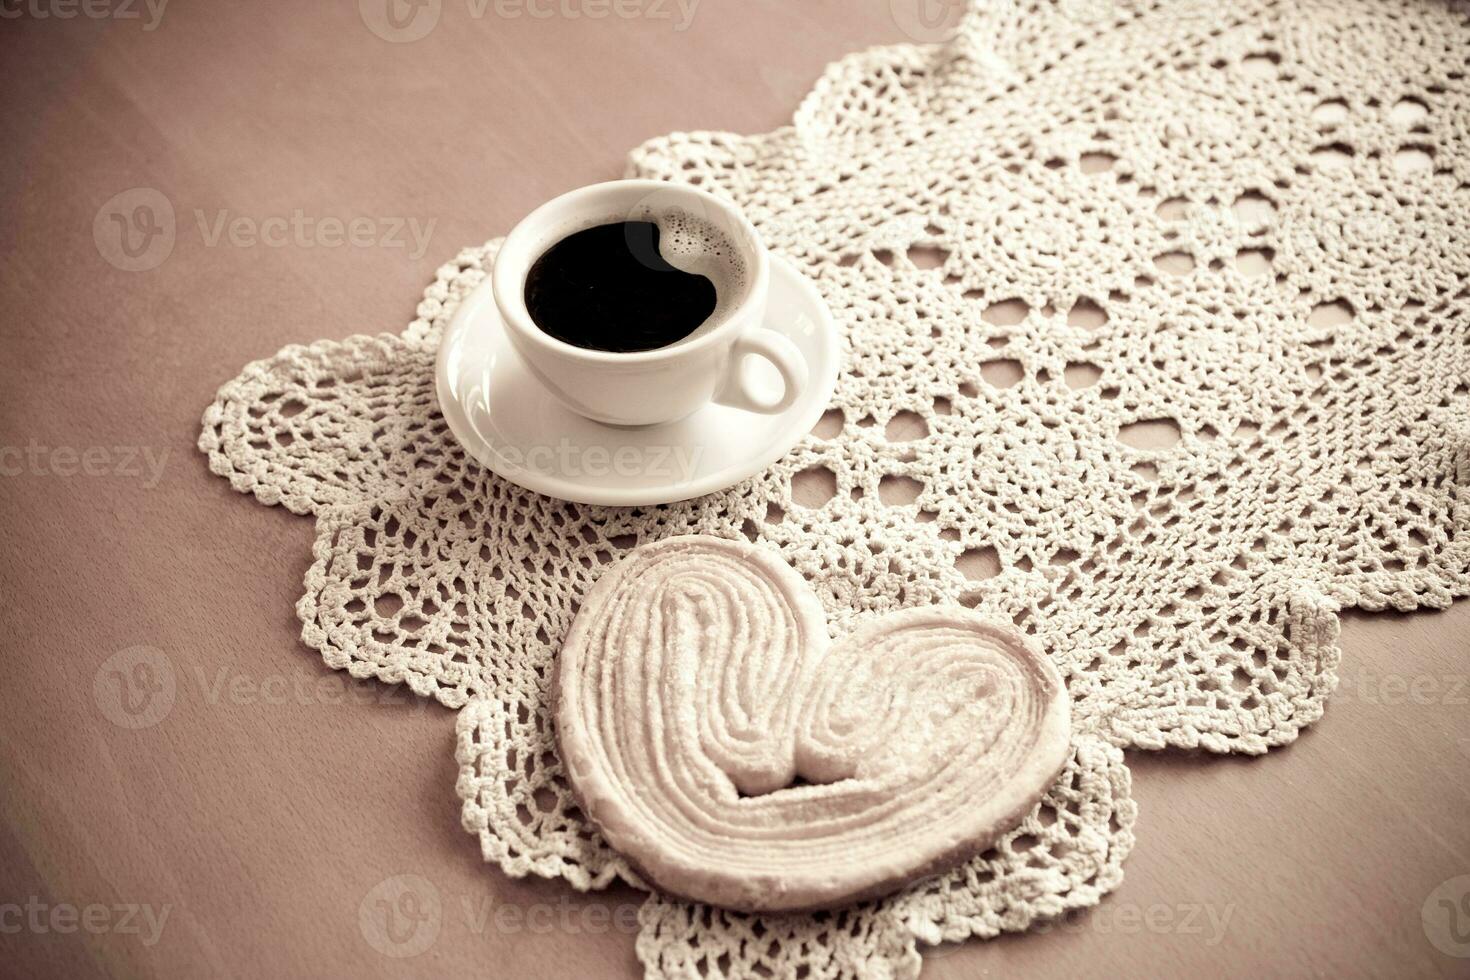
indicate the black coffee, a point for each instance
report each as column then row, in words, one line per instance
column 609, row 288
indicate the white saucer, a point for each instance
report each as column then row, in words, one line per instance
column 508, row 422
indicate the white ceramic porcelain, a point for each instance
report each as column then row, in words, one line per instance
column 663, row 385
column 506, row 419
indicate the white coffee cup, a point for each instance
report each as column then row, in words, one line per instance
column 668, row 383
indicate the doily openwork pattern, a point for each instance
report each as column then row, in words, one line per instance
column 1174, row 295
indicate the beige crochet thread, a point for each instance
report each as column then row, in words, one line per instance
column 1176, row 295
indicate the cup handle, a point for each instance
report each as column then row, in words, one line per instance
column 781, row 352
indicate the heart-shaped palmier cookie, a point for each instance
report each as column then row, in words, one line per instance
column 735, row 756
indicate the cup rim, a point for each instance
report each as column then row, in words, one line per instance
column 511, row 301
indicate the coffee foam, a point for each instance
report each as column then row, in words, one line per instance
column 692, row 244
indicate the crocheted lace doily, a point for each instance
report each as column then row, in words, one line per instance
column 1173, row 293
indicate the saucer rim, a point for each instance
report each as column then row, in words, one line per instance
column 479, row 449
